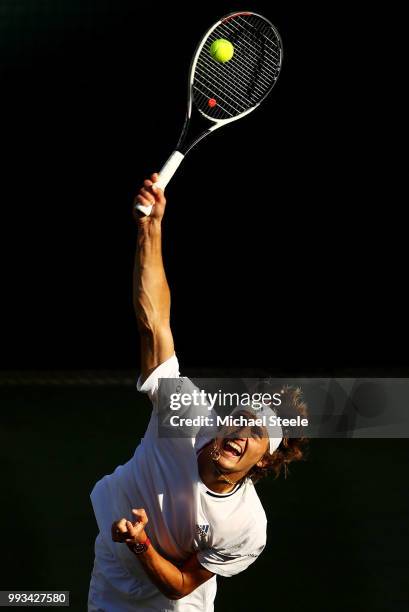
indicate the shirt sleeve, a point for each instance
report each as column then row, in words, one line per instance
column 164, row 381
column 232, row 553
column 227, row 564
column 167, row 369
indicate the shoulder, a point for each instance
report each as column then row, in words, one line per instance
column 254, row 507
column 167, row 369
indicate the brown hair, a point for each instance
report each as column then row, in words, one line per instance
column 290, row 449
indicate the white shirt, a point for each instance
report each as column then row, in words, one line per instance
column 228, row 532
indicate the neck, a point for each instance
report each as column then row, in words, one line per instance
column 213, row 477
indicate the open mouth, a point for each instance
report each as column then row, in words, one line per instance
column 232, row 448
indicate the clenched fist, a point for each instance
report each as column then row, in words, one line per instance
column 152, row 198
column 131, row 532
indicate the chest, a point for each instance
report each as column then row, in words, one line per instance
column 221, row 523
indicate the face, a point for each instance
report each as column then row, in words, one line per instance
column 241, row 448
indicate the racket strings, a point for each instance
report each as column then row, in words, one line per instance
column 253, row 32
column 263, row 29
column 245, row 67
column 242, row 63
column 233, row 92
column 250, row 42
column 246, row 77
column 237, row 89
column 208, row 95
column 239, row 84
column 240, row 90
column 238, row 34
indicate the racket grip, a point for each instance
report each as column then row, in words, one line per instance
column 169, row 169
column 166, row 173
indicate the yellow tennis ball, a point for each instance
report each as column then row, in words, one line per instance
column 221, row 50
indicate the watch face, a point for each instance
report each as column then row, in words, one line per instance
column 140, row 548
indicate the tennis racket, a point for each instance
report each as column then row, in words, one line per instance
column 219, row 93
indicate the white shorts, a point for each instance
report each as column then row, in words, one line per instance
column 104, row 597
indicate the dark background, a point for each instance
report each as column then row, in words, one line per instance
column 300, row 271
column 302, row 266
column 337, row 527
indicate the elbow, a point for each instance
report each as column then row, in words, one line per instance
column 150, row 319
column 152, row 327
column 145, row 327
column 178, row 593
column 173, row 594
column 144, row 317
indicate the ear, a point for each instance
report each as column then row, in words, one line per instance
column 261, row 463
column 263, row 459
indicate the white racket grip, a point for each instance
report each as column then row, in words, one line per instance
column 169, row 169
column 166, row 173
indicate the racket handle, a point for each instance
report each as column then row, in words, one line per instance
column 169, row 169
column 166, row 173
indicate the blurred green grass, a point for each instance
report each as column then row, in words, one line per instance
column 338, row 529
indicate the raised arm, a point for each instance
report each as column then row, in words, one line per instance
column 151, row 295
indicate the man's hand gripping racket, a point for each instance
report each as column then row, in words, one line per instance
column 150, row 200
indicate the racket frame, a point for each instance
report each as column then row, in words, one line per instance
column 173, row 162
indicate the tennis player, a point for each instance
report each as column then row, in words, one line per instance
column 183, row 510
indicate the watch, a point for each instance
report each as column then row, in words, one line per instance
column 139, row 548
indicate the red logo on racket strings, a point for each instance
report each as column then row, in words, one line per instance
column 212, row 102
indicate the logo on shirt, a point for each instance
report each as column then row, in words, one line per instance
column 202, row 531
